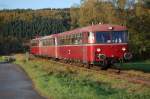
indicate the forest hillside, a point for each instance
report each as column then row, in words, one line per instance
column 19, row 26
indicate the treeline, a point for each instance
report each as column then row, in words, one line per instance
column 19, row 26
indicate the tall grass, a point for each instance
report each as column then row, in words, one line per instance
column 58, row 81
column 143, row 66
column 1, row 59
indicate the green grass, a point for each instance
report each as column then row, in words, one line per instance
column 1, row 58
column 57, row 81
column 145, row 67
column 140, row 66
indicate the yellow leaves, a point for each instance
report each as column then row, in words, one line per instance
column 74, row 14
column 140, row 10
column 122, row 4
column 92, row 11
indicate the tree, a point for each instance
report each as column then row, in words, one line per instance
column 139, row 25
column 74, row 14
column 97, row 11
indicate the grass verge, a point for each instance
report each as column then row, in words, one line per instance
column 140, row 66
column 58, row 81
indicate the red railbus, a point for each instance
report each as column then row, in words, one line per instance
column 102, row 44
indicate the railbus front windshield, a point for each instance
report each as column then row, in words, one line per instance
column 112, row 37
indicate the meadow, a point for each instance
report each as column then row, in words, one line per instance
column 139, row 65
column 58, row 81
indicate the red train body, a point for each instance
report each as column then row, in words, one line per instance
column 102, row 43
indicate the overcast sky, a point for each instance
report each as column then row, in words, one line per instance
column 36, row 4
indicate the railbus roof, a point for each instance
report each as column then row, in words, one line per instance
column 91, row 28
column 94, row 28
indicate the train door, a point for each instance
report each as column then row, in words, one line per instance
column 85, row 40
column 89, row 40
column 56, row 48
column 40, row 47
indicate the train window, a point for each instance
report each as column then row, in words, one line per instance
column 67, row 40
column 73, row 39
column 119, row 36
column 70, row 39
column 64, row 38
column 61, row 41
column 103, row 37
column 72, row 36
column 79, row 38
column 48, row 42
column 53, row 41
column 112, row 37
column 42, row 42
column 34, row 43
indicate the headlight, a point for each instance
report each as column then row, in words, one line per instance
column 98, row 49
column 123, row 49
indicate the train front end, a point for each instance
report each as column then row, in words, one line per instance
column 110, row 46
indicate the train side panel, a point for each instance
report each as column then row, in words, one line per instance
column 51, row 51
column 34, row 50
column 70, row 52
column 88, row 53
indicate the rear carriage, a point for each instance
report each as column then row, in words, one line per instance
column 34, row 46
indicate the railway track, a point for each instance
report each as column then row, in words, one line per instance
column 136, row 78
column 143, row 79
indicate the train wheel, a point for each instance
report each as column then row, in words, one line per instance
column 87, row 65
column 106, row 64
column 56, row 59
